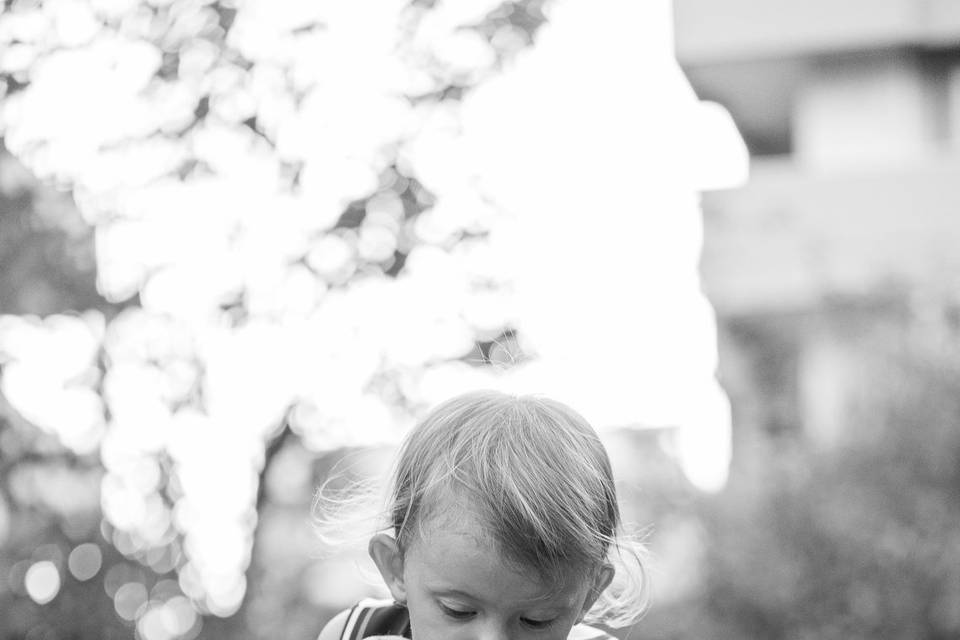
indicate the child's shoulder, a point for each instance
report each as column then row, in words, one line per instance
column 369, row 617
column 334, row 628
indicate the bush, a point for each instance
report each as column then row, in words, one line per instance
column 860, row 540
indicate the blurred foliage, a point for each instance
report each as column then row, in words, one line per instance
column 858, row 539
column 46, row 267
column 49, row 503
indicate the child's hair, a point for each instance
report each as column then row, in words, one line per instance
column 534, row 473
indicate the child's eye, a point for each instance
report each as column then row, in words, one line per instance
column 456, row 614
column 536, row 624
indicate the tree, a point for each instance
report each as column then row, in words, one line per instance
column 306, row 218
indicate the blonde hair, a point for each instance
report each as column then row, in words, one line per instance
column 537, row 477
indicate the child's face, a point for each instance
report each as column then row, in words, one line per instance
column 458, row 587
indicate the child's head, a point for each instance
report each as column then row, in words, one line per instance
column 518, row 493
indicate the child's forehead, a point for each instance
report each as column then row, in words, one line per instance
column 457, row 530
column 459, row 556
column 451, row 515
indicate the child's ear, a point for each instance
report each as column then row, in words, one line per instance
column 601, row 581
column 387, row 556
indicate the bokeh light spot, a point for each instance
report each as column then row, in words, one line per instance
column 151, row 626
column 85, row 561
column 179, row 616
column 128, row 600
column 42, row 581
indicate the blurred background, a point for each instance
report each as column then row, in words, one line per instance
column 244, row 245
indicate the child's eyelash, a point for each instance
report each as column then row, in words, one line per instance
column 536, row 624
column 456, row 614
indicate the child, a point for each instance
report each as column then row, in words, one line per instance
column 502, row 525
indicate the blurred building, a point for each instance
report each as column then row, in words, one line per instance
column 851, row 112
